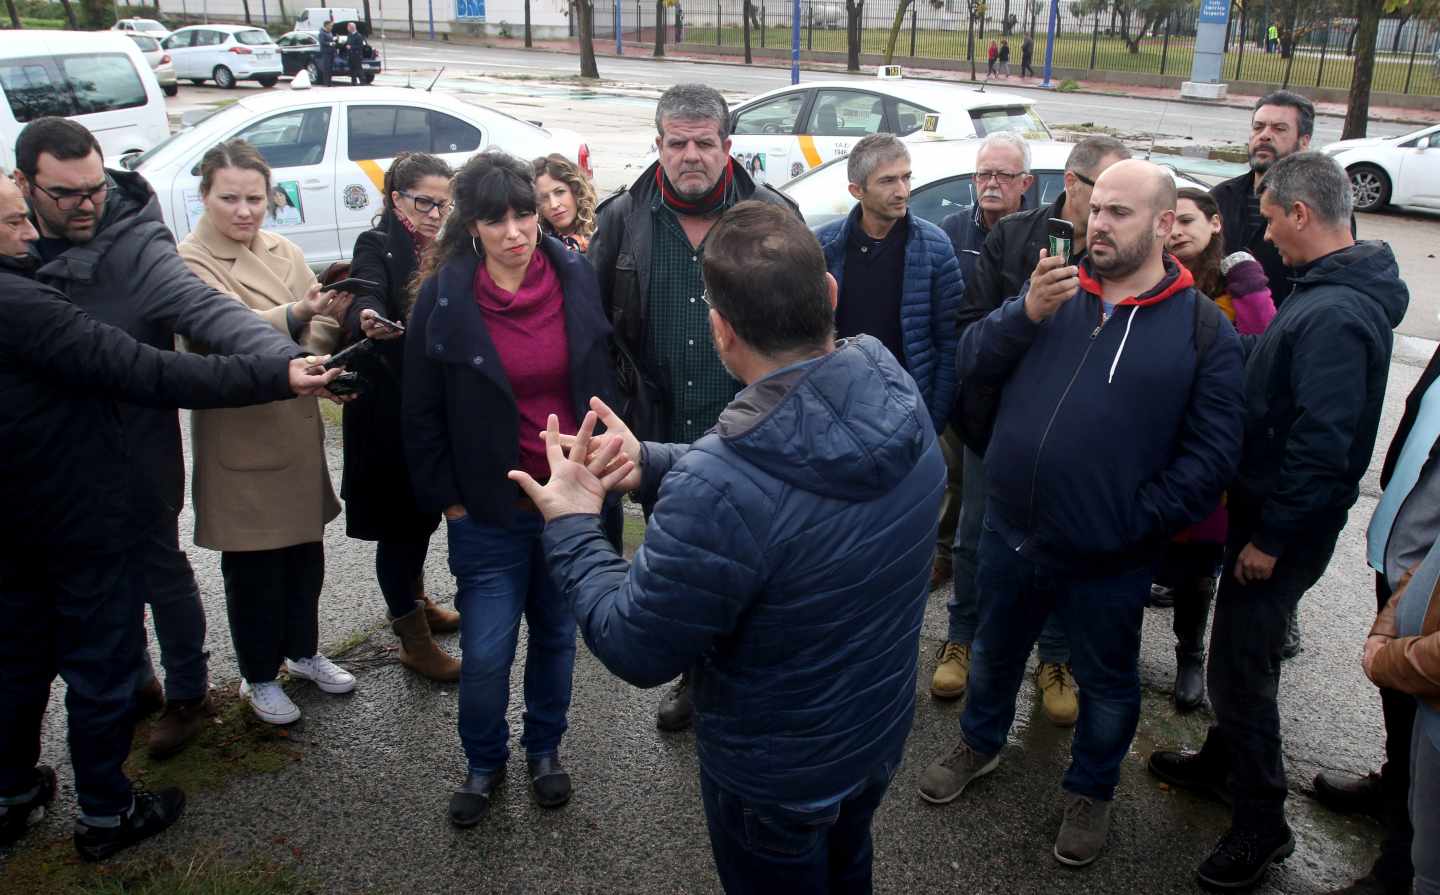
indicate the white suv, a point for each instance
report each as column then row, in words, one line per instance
column 225, row 54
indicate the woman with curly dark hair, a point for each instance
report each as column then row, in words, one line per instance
column 566, row 200
column 508, row 329
column 379, row 501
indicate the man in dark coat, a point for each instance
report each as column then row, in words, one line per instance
column 648, row 246
column 786, row 562
column 79, row 516
column 104, row 244
column 355, row 53
column 1076, row 516
column 1314, row 388
column 325, row 60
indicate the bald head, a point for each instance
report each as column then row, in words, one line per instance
column 16, row 231
column 1132, row 211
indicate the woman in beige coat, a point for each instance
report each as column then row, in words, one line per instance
column 261, row 486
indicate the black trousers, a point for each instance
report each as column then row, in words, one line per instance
column 1244, row 671
column 272, row 598
column 323, row 65
column 398, row 567
column 81, row 617
column 1394, row 867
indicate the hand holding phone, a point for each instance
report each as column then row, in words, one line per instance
column 347, row 355
column 1054, row 282
column 1061, row 238
column 376, row 327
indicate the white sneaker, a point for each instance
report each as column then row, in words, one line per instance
column 326, row 674
column 270, row 702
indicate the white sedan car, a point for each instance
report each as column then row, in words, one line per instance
column 942, row 181
column 160, row 62
column 328, row 149
column 1402, row 170
column 783, row 133
column 224, row 54
column 148, row 27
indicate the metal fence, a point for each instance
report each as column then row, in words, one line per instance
column 1316, row 50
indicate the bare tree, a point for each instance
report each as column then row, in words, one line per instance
column 745, row 14
column 659, row 28
column 1357, row 109
column 528, row 44
column 14, row 14
column 411, row 12
column 246, row 4
column 900, row 9
column 854, row 33
column 70, row 15
column 584, row 12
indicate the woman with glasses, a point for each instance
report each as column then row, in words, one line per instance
column 566, row 201
column 508, row 329
column 261, row 484
column 379, row 502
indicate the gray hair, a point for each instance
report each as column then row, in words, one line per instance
column 870, row 153
column 1091, row 151
column 1008, row 140
column 1316, row 181
column 1304, row 109
column 693, row 102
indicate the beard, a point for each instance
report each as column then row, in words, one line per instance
column 1125, row 259
column 1261, row 164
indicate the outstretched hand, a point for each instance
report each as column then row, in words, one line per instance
column 575, row 487
column 614, row 428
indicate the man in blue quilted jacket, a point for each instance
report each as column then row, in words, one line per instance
column 786, row 563
column 897, row 275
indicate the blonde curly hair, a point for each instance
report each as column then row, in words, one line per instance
column 558, row 167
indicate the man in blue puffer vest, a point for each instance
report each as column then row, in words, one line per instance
column 897, row 274
column 1119, row 423
column 786, row 563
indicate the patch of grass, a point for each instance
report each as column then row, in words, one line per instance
column 233, row 743
column 1068, row 85
column 331, row 413
column 633, row 534
column 54, row 867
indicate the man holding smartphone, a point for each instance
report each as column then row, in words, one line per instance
column 1004, row 264
column 1075, row 516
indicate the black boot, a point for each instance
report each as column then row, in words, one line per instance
column 1243, row 855
column 152, row 814
column 1192, row 612
column 25, row 810
column 471, row 802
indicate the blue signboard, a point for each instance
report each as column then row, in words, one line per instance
column 1216, row 11
column 471, row 10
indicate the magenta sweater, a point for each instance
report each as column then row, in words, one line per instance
column 528, row 329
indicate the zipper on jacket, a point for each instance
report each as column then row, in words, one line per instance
column 1044, row 436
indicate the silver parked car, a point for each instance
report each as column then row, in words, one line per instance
column 160, row 62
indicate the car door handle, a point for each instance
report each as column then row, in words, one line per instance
column 313, row 183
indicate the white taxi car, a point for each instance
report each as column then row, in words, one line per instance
column 148, row 27
column 1403, row 170
column 328, row 149
column 224, row 54
column 942, row 181
column 783, row 133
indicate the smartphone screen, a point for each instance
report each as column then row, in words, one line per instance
column 1062, row 238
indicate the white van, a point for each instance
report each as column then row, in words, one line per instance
column 311, row 19
column 99, row 79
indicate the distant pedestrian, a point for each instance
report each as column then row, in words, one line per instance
column 355, row 48
column 325, row 58
column 1272, row 39
column 679, row 23
column 1314, row 390
column 1005, row 59
column 991, row 58
column 1027, row 56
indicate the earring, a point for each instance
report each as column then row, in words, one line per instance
column 476, row 246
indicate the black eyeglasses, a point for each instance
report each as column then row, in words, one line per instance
column 1083, row 179
column 69, row 200
column 1001, row 177
column 425, row 205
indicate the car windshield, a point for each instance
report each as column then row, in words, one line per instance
column 253, row 37
column 149, row 26
column 1020, row 120
column 182, row 137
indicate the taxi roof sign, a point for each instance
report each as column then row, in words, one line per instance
column 889, row 72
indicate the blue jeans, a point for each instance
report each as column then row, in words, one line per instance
column 177, row 613
column 1424, row 791
column 501, row 573
column 764, row 848
column 1102, row 618
column 964, row 603
column 81, row 617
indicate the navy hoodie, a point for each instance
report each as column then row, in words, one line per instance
column 1110, row 435
column 1314, row 389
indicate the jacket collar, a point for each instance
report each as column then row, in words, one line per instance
column 644, row 189
column 129, row 203
column 852, row 223
column 1176, row 280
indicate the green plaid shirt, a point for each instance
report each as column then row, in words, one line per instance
column 678, row 331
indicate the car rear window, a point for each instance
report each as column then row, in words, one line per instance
column 1014, row 119
column 253, row 37
column 146, row 44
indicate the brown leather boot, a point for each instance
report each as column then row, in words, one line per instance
column 179, row 725
column 418, row 650
column 442, row 620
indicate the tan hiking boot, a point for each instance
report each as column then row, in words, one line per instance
column 180, row 723
column 441, row 620
column 418, row 650
column 953, row 671
column 1058, row 693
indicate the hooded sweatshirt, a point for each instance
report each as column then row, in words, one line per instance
column 1112, row 434
column 1314, row 389
column 787, row 562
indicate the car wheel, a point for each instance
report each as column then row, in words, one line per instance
column 171, row 89
column 1370, row 186
column 367, row 78
column 224, row 78
column 313, row 71
column 267, row 81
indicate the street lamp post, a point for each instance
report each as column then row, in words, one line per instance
column 795, row 43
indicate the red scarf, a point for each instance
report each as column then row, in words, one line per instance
column 706, row 204
column 421, row 241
